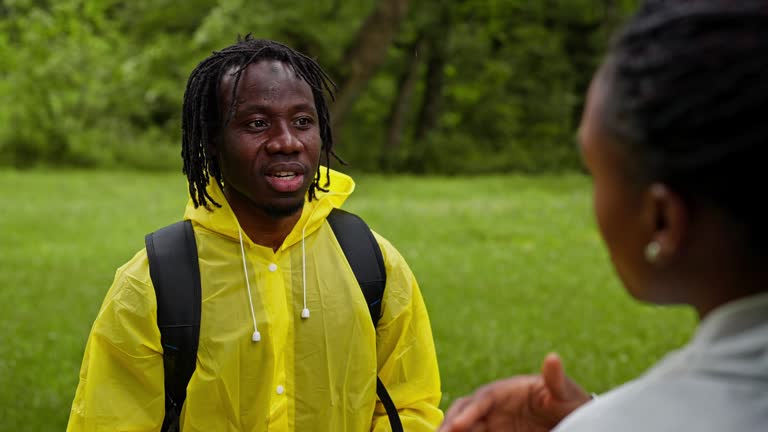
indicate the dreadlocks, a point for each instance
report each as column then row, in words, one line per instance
column 687, row 96
column 202, row 120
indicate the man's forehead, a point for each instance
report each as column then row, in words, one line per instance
column 270, row 67
column 263, row 75
column 265, row 82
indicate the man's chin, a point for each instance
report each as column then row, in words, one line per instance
column 283, row 210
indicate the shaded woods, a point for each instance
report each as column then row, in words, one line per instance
column 463, row 86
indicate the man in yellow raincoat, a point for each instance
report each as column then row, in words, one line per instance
column 286, row 340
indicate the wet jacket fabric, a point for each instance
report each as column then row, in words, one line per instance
column 314, row 374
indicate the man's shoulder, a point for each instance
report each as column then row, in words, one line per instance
column 132, row 277
column 135, row 271
column 389, row 252
column 131, row 293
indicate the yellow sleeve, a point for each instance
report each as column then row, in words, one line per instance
column 407, row 363
column 121, row 378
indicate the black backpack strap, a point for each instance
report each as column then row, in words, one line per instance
column 175, row 273
column 364, row 256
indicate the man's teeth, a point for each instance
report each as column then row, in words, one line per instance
column 284, row 174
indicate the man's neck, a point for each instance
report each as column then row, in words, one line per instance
column 261, row 226
column 266, row 230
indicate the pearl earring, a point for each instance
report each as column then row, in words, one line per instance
column 652, row 251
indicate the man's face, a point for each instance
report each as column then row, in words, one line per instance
column 270, row 149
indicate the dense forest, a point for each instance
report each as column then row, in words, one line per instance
column 449, row 87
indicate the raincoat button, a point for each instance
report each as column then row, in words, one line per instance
column 272, row 267
column 280, row 389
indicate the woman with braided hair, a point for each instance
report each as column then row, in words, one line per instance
column 675, row 138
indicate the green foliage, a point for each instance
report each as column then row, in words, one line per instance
column 99, row 82
column 510, row 268
column 77, row 93
column 515, row 75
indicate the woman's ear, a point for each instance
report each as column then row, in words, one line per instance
column 669, row 219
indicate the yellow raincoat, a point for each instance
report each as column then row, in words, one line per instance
column 317, row 374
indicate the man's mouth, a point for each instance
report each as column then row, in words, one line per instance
column 284, row 174
column 285, row 180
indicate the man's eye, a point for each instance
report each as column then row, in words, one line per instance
column 303, row 121
column 258, row 124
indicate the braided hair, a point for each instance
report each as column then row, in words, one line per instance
column 687, row 95
column 202, row 119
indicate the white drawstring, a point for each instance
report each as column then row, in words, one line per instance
column 256, row 335
column 305, row 311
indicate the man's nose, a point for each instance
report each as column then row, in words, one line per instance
column 284, row 139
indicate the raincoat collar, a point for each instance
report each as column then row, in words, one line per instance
column 222, row 220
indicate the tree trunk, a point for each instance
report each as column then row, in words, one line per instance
column 366, row 53
column 398, row 115
column 434, row 81
column 433, row 90
column 611, row 16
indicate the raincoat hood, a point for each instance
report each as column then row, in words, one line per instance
column 222, row 219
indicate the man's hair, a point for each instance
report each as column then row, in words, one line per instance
column 202, row 119
column 686, row 93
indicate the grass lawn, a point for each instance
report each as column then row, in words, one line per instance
column 510, row 267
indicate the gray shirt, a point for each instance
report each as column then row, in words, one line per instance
column 716, row 383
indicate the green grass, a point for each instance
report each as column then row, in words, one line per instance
column 510, row 267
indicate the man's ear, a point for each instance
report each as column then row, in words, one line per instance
column 669, row 219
